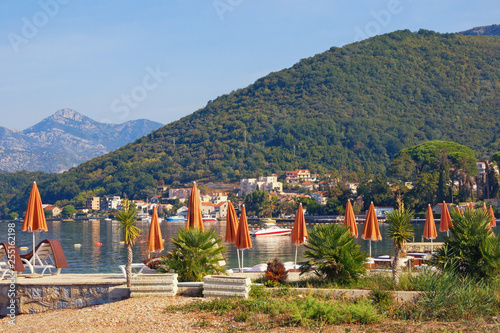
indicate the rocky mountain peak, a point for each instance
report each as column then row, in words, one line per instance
column 68, row 114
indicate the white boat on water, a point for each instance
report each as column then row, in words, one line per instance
column 176, row 218
column 267, row 222
column 208, row 218
column 271, row 231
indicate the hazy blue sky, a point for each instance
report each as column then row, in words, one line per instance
column 120, row 60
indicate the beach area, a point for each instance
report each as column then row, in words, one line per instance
column 148, row 314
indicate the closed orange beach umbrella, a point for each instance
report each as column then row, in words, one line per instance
column 155, row 241
column 371, row 230
column 242, row 241
column 231, row 223
column 232, row 227
column 350, row 220
column 34, row 220
column 194, row 217
column 430, row 226
column 445, row 223
column 299, row 231
column 493, row 221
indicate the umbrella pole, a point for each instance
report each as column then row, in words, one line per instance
column 296, row 250
column 33, row 251
column 241, row 270
column 238, row 255
column 431, row 246
column 370, row 247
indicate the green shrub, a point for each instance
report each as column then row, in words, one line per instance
column 331, row 249
column 448, row 296
column 196, row 254
column 472, row 250
column 287, row 310
column 383, row 298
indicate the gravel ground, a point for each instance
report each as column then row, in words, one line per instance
column 143, row 314
column 148, row 314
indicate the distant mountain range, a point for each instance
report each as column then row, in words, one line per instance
column 64, row 140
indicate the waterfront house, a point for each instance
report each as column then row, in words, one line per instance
column 56, row 211
column 93, row 203
column 207, row 208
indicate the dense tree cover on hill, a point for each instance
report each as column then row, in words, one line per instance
column 351, row 108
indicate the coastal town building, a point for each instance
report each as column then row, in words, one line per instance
column 56, row 211
column 269, row 183
column 381, row 211
column 353, row 187
column 481, row 167
column 299, row 175
column 110, row 202
column 308, row 185
column 320, row 197
column 207, row 208
column 214, row 198
column 183, row 211
column 221, row 210
column 93, row 203
column 179, row 193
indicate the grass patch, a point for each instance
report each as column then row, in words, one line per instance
column 380, row 281
column 286, row 309
column 448, row 296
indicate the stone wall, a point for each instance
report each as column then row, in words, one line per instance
column 39, row 298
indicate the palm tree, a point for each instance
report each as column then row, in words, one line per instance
column 473, row 249
column 333, row 253
column 197, row 253
column 128, row 223
column 401, row 231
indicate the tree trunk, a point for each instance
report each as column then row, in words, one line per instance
column 128, row 266
column 395, row 267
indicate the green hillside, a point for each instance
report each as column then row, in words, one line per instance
column 351, row 108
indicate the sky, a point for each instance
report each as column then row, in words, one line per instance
column 119, row 60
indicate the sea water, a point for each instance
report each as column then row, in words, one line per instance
column 96, row 246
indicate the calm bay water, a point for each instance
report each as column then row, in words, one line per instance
column 90, row 258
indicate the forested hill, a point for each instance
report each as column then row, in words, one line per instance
column 350, row 108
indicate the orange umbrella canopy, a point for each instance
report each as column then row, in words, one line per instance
column 194, row 217
column 242, row 240
column 231, row 223
column 371, row 230
column 350, row 219
column 155, row 242
column 430, row 225
column 445, row 223
column 299, row 231
column 34, row 220
column 493, row 222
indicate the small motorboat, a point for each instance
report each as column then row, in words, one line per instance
column 267, row 222
column 208, row 218
column 271, row 231
column 174, row 218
